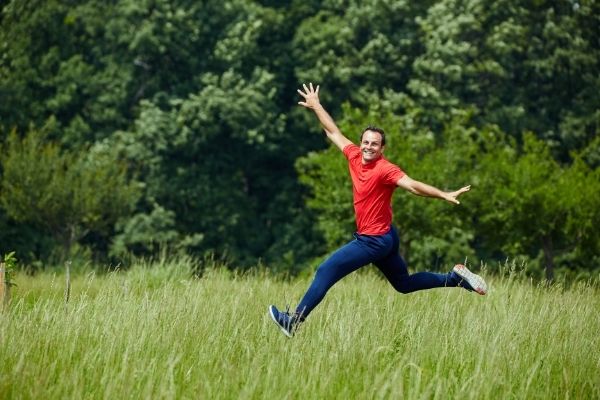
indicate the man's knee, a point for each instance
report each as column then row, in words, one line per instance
column 402, row 289
column 402, row 284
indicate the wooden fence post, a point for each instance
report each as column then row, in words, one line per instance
column 68, row 281
column 4, row 288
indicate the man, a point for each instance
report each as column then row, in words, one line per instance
column 376, row 241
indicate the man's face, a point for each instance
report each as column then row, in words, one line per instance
column 370, row 146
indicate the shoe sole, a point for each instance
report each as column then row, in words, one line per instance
column 476, row 281
column 286, row 333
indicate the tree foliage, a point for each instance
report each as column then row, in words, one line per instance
column 199, row 100
column 526, row 66
column 69, row 193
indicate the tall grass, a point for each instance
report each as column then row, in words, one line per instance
column 153, row 332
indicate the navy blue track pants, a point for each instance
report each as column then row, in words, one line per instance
column 382, row 251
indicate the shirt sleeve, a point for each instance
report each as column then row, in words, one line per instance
column 351, row 150
column 392, row 174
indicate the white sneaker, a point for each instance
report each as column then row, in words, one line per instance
column 475, row 281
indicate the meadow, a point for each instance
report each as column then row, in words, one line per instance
column 156, row 332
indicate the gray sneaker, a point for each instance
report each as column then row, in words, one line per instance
column 474, row 281
column 286, row 322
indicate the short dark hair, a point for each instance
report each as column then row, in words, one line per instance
column 374, row 129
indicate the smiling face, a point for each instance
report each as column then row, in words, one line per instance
column 371, row 146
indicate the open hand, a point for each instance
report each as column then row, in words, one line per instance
column 451, row 196
column 311, row 96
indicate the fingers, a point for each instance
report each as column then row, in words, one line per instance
column 309, row 89
column 310, row 94
column 453, row 198
column 463, row 190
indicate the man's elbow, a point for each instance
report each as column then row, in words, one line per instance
column 413, row 187
column 333, row 133
column 414, row 190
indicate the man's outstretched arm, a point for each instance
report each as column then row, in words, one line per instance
column 311, row 100
column 423, row 189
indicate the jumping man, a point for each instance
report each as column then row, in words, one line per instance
column 376, row 241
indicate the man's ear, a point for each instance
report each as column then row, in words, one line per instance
column 382, row 148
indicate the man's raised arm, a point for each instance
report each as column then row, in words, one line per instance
column 311, row 100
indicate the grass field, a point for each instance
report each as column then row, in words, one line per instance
column 155, row 333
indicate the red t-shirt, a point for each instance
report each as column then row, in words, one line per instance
column 373, row 185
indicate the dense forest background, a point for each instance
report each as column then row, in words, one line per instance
column 141, row 126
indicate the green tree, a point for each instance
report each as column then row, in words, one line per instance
column 525, row 66
column 206, row 158
column 188, row 75
column 534, row 206
column 89, row 64
column 95, row 68
column 58, row 61
column 68, row 193
column 360, row 50
column 580, row 195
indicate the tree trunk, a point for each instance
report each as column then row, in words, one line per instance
column 548, row 257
